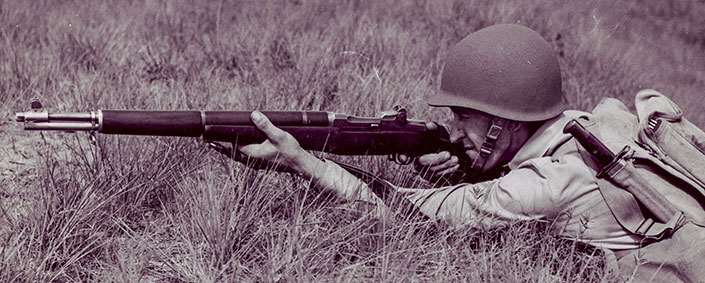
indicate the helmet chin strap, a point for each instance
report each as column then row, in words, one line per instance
column 488, row 146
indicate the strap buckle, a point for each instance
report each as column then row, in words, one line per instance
column 493, row 132
column 491, row 137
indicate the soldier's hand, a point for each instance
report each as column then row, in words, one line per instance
column 435, row 166
column 280, row 151
column 280, row 146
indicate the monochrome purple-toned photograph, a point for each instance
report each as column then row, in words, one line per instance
column 352, row 141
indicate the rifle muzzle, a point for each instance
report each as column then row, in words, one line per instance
column 72, row 121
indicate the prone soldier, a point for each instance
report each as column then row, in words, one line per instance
column 503, row 86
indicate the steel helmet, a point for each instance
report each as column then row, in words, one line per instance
column 505, row 70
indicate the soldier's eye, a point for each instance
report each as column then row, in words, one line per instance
column 465, row 117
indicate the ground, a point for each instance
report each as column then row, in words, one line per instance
column 159, row 209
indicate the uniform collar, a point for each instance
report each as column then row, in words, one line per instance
column 547, row 138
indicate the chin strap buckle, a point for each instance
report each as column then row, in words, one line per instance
column 491, row 137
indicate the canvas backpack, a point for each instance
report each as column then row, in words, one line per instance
column 669, row 152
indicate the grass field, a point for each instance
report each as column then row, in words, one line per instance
column 158, row 209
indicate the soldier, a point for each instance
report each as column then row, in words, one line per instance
column 503, row 85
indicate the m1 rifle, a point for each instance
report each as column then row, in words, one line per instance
column 392, row 134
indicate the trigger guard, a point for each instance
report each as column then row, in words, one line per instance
column 401, row 159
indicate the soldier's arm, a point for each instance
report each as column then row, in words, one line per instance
column 457, row 205
column 282, row 148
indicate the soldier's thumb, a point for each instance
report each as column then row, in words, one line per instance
column 274, row 134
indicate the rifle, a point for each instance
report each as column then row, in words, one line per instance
column 392, row 134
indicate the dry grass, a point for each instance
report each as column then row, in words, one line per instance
column 157, row 209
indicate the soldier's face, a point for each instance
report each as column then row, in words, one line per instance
column 470, row 127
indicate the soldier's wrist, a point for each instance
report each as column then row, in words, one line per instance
column 307, row 164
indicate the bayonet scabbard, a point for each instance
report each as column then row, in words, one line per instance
column 620, row 171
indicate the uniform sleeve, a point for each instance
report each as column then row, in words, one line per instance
column 538, row 188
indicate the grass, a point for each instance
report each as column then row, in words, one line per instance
column 157, row 209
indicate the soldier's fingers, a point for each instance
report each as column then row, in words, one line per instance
column 423, row 163
column 433, row 158
column 274, row 134
column 248, row 149
column 262, row 150
column 449, row 170
column 453, row 161
column 434, row 176
column 426, row 173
